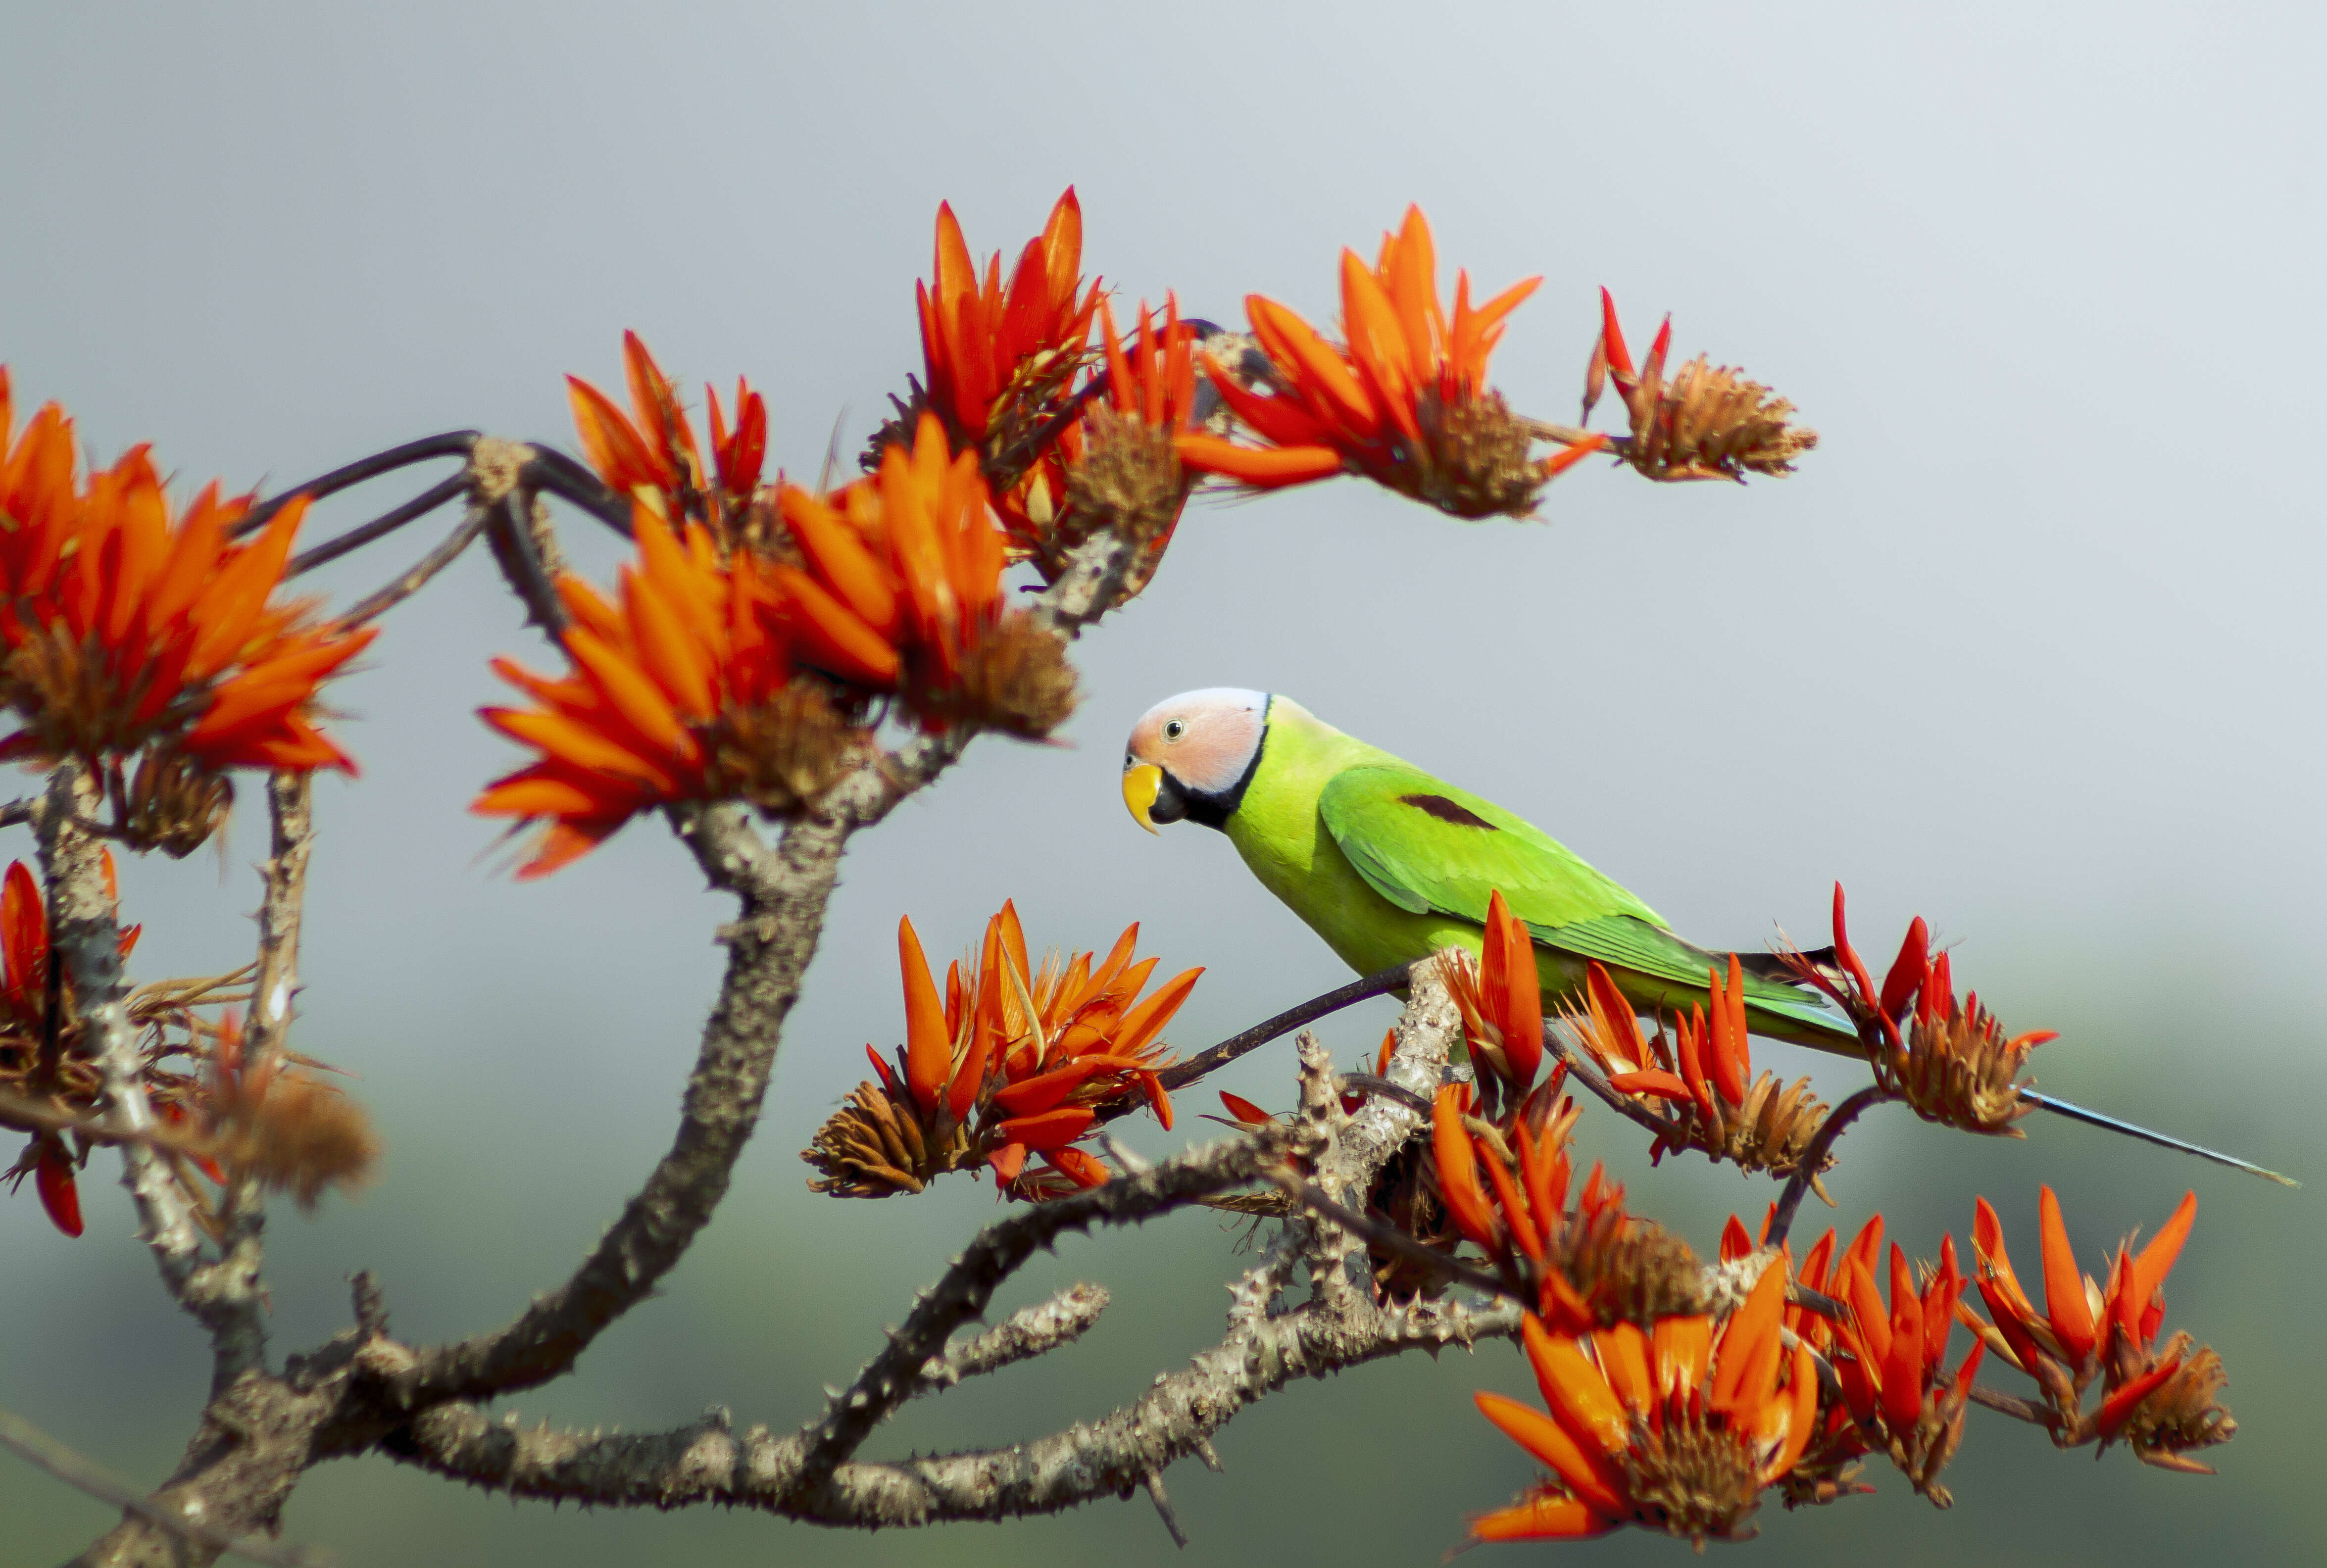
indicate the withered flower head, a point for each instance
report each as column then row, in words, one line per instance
column 127, row 634
column 1011, row 1063
column 1955, row 1064
column 1678, row 1428
column 2161, row 1400
column 1404, row 401
column 1949, row 1060
column 1708, row 422
column 1699, row 1082
column 283, row 1125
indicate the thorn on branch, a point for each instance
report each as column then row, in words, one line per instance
column 1153, row 1480
column 370, row 1306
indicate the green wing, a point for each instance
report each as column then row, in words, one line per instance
column 1429, row 847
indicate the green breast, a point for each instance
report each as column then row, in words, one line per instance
column 1276, row 828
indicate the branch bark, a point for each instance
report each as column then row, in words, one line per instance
column 82, row 928
column 257, row 1434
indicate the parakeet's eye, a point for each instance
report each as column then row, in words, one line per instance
column 1174, row 729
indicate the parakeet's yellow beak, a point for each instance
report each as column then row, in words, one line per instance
column 1140, row 785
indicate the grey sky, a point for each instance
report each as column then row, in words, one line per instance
column 2031, row 646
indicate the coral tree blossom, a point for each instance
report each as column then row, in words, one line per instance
column 1677, row 1427
column 1014, row 1061
column 129, row 632
column 1403, row 401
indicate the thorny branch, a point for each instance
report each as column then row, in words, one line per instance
column 83, row 929
column 37, row 1448
column 784, row 888
column 234, row 1280
column 257, row 1437
column 1339, row 1326
column 1024, row 1334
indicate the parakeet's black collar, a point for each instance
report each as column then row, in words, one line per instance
column 1211, row 808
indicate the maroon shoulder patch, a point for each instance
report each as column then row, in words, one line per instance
column 1445, row 811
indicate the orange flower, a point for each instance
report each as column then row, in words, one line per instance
column 1949, row 1060
column 1678, row 1428
column 1505, row 1190
column 1893, row 1378
column 1014, row 1061
column 1115, row 467
column 1000, row 360
column 127, row 631
column 900, row 591
column 53, row 1178
column 683, row 690
column 1708, row 422
column 2159, row 1400
column 748, row 678
column 1699, row 1084
column 651, row 454
column 1404, row 402
column 40, row 1040
column 1500, row 1000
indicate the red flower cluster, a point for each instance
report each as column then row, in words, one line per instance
column 1001, row 359
column 1699, row 1082
column 738, row 674
column 1677, row 1427
column 1947, row 1058
column 651, row 458
column 1404, row 401
column 1501, row 1004
column 126, row 632
column 1505, row 1189
column 1014, row 1061
column 2161, row 1400
column 38, row 1033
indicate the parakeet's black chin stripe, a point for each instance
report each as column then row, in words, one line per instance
column 1209, row 807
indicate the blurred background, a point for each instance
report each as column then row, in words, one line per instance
column 2031, row 646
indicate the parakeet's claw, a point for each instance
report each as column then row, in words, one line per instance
column 2061, row 1107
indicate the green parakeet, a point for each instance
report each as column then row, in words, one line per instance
column 1389, row 864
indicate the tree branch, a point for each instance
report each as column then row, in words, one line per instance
column 84, row 931
column 233, row 1283
column 810, row 1475
column 1024, row 1334
column 1814, row 1157
column 257, row 1437
column 1181, row 1074
column 452, row 443
column 891, row 1378
column 380, row 528
column 38, row 1449
column 374, row 605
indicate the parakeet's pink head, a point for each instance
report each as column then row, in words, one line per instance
column 1193, row 755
